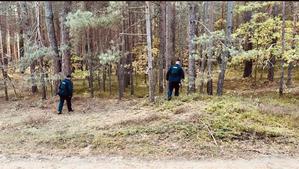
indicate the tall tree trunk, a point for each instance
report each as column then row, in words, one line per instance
column 170, row 50
column 21, row 36
column 229, row 26
column 127, row 48
column 53, row 42
column 34, row 63
column 65, row 39
column 191, row 66
column 149, row 54
column 4, row 62
column 131, row 74
column 131, row 46
column 247, row 46
column 173, row 29
column 89, row 40
column 8, row 38
column 272, row 60
column 204, row 57
column 122, row 62
column 33, row 80
column 104, row 78
column 15, row 46
column 281, row 84
column 210, row 52
column 39, row 42
column 110, row 82
column 45, row 42
column 162, row 31
column 99, row 80
column 291, row 64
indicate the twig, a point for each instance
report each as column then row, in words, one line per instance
column 211, row 133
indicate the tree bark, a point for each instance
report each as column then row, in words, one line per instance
column 131, row 46
column 225, row 54
column 8, row 38
column 170, row 50
column 53, row 42
column 127, row 49
column 162, row 31
column 281, row 84
column 21, row 36
column 121, row 69
column 149, row 54
column 65, row 39
column 90, row 59
column 39, row 42
column 131, row 74
column 247, row 46
column 3, row 62
column 104, row 78
column 110, row 82
column 204, row 57
column 15, row 47
column 191, row 33
column 210, row 45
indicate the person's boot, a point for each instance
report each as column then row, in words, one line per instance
column 59, row 112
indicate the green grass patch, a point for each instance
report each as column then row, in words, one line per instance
column 231, row 118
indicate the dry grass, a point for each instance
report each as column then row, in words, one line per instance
column 168, row 129
column 36, row 120
column 180, row 110
column 140, row 121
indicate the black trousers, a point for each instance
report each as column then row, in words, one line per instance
column 68, row 102
column 175, row 86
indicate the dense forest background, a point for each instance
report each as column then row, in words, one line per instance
column 125, row 48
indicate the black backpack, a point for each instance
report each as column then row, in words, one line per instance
column 175, row 70
column 62, row 88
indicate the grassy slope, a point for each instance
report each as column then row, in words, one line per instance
column 194, row 126
column 248, row 120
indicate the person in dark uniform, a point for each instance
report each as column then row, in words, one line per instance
column 174, row 76
column 65, row 92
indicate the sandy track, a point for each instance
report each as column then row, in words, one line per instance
column 48, row 162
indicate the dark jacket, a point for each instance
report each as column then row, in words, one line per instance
column 177, row 76
column 65, row 88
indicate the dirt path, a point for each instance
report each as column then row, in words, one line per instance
column 39, row 162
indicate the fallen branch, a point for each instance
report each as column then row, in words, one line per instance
column 211, row 133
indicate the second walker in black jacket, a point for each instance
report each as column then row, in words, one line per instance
column 65, row 91
column 174, row 76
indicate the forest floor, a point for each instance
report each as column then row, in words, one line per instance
column 242, row 129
